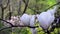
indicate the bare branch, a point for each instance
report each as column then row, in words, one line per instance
column 2, row 15
column 19, row 10
column 52, row 6
column 7, row 4
column 26, row 5
column 31, row 8
column 6, row 22
column 24, row 1
column 3, row 8
column 4, row 28
column 10, row 13
column 17, row 26
column 0, row 2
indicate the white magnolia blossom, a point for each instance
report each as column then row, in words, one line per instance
column 32, row 23
column 32, row 20
column 29, row 20
column 46, row 18
column 25, row 19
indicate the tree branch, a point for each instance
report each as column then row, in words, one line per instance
column 26, row 5
column 52, row 6
column 6, row 22
column 10, row 12
column 19, row 10
column 3, row 8
column 2, row 15
column 17, row 26
column 7, row 4
column 24, row 1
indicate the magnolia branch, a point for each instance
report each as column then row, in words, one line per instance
column 15, row 25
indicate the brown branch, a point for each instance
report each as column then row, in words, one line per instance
column 7, row 4
column 52, row 6
column 2, row 15
column 24, row 1
column 26, row 5
column 10, row 13
column 19, row 10
column 6, row 22
column 3, row 8
column 0, row 2
column 31, row 8
column 18, row 26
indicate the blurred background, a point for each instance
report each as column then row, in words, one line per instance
column 19, row 7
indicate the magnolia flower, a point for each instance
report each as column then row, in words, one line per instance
column 32, row 23
column 46, row 18
column 25, row 18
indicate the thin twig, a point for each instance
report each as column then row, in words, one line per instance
column 19, row 10
column 7, row 4
column 17, row 26
column 26, row 5
column 10, row 12
column 3, row 8
column 6, row 22
column 51, row 6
